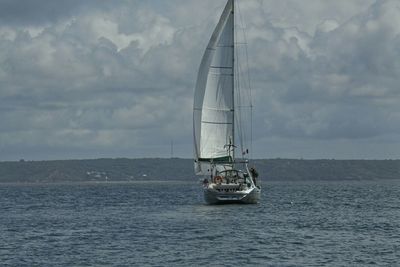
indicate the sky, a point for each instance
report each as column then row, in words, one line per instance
column 108, row 79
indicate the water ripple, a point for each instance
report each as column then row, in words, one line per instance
column 167, row 224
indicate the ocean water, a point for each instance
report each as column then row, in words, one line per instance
column 168, row 224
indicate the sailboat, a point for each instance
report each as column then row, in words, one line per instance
column 227, row 179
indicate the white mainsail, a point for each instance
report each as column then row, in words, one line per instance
column 213, row 109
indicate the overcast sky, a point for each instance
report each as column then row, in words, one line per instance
column 97, row 78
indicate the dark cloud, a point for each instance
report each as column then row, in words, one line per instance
column 38, row 12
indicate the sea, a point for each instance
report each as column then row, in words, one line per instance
column 167, row 223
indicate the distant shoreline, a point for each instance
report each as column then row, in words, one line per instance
column 94, row 182
column 178, row 158
column 177, row 169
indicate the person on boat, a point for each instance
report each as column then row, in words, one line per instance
column 205, row 182
column 218, row 179
column 254, row 174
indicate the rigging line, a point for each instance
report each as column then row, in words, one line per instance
column 241, row 121
column 239, row 89
column 249, row 83
column 251, row 96
column 220, row 67
column 241, row 124
column 220, row 74
column 216, row 122
column 233, row 11
column 214, row 109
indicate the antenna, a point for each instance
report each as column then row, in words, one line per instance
column 172, row 149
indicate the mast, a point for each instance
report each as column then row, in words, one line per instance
column 233, row 80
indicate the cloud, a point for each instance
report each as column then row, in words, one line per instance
column 91, row 78
column 338, row 83
column 84, row 83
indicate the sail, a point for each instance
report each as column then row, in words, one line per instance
column 213, row 109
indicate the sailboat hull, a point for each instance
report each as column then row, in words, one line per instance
column 251, row 196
